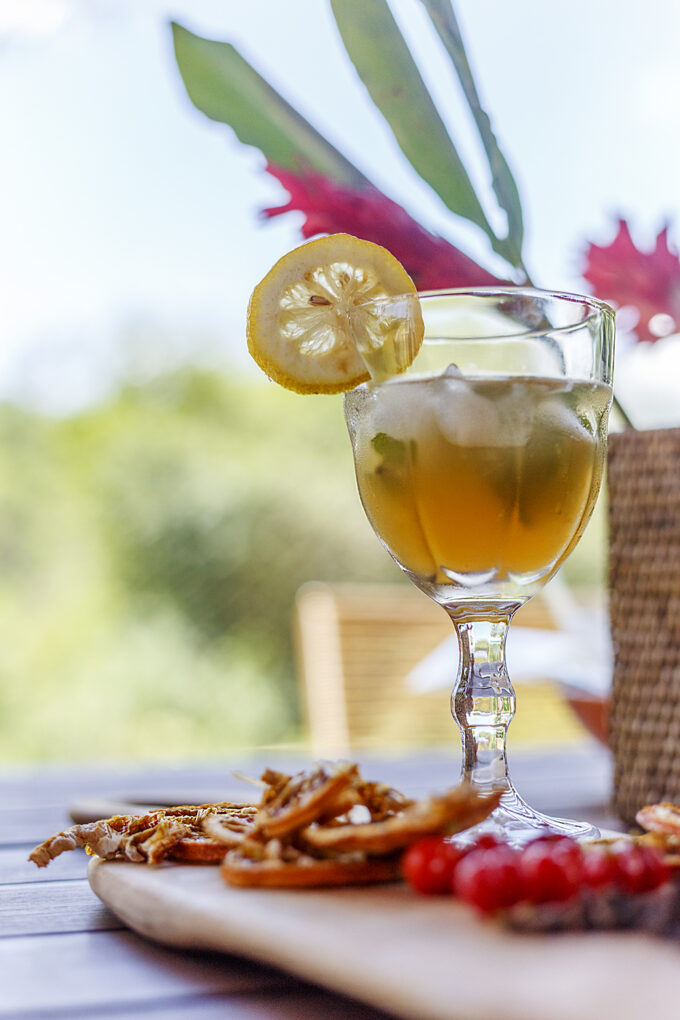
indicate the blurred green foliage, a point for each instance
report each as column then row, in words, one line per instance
column 150, row 551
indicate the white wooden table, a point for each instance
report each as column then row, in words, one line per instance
column 62, row 954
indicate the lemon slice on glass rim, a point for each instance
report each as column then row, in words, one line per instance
column 321, row 320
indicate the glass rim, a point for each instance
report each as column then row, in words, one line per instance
column 595, row 308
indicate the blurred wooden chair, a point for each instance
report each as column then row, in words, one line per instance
column 356, row 645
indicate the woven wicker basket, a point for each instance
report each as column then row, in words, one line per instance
column 644, row 582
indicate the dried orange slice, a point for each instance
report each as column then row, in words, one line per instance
column 664, row 817
column 459, row 809
column 275, row 874
column 318, row 322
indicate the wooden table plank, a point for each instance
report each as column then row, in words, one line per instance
column 309, row 1004
column 29, row 825
column 45, row 785
column 15, row 866
column 90, row 971
column 557, row 779
column 50, row 907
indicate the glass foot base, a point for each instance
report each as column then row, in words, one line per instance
column 515, row 823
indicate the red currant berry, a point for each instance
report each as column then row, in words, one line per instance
column 640, row 869
column 548, row 837
column 429, row 864
column 566, row 849
column 552, row 871
column 599, row 869
column 486, row 842
column 489, row 879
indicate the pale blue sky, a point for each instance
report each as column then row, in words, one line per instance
column 124, row 211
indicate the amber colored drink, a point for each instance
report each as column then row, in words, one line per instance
column 482, row 483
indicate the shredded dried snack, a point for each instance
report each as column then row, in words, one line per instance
column 175, row 833
column 323, row 826
column 328, row 826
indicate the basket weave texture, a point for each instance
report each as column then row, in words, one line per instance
column 644, row 591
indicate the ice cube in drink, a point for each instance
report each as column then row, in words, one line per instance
column 482, row 483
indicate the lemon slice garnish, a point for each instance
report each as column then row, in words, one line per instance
column 321, row 320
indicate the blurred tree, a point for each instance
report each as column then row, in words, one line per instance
column 152, row 548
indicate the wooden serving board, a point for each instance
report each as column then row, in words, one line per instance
column 416, row 957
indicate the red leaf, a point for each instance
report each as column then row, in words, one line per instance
column 647, row 281
column 330, row 208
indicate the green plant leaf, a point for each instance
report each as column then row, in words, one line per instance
column 224, row 86
column 392, row 451
column 443, row 18
column 384, row 63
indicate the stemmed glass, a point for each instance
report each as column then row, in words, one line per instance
column 478, row 468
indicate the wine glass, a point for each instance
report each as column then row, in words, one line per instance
column 478, row 468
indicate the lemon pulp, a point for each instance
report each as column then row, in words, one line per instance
column 323, row 319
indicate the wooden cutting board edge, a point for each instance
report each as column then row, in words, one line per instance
column 412, row 956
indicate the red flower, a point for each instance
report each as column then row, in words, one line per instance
column 647, row 281
column 331, row 208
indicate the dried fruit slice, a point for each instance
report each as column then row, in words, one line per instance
column 198, row 850
column 664, row 817
column 308, row 872
column 459, row 809
column 304, row 797
column 315, row 323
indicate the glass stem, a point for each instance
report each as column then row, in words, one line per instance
column 483, row 700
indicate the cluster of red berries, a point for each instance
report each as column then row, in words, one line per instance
column 491, row 876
